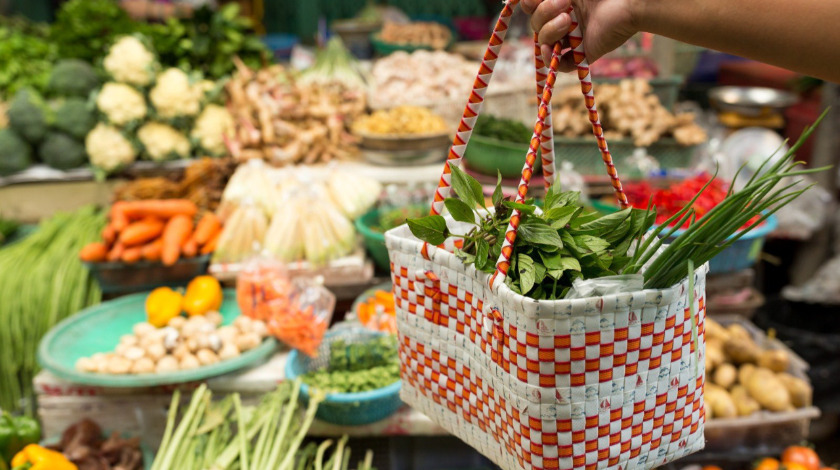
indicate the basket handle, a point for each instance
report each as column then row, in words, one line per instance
column 547, row 137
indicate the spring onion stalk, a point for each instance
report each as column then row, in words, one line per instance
column 334, row 64
column 319, row 456
column 165, row 460
column 719, row 228
column 243, row 441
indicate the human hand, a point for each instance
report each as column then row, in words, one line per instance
column 607, row 24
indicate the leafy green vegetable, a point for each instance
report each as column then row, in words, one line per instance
column 84, row 29
column 75, row 117
column 358, row 367
column 503, row 129
column 395, row 217
column 26, row 56
column 208, row 41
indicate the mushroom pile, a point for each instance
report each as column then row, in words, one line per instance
column 183, row 344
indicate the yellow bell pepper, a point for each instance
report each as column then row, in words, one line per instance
column 204, row 294
column 163, row 304
column 40, row 458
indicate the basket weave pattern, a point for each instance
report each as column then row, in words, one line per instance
column 608, row 382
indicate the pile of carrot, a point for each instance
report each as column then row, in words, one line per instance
column 266, row 293
column 378, row 312
column 158, row 230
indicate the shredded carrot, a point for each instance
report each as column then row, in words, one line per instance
column 378, row 312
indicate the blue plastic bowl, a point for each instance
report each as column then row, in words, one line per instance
column 349, row 409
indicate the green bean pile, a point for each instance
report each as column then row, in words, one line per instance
column 42, row 282
column 358, row 367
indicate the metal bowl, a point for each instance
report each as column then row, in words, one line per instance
column 751, row 101
column 404, row 149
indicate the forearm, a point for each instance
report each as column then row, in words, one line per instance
column 802, row 35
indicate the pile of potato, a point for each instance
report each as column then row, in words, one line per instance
column 434, row 35
column 628, row 109
column 743, row 378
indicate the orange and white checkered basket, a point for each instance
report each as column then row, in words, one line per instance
column 612, row 382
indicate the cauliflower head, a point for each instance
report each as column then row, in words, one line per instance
column 121, row 103
column 108, row 149
column 163, row 142
column 129, row 61
column 174, row 96
column 211, row 127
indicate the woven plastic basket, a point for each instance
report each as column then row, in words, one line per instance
column 611, row 382
column 351, row 409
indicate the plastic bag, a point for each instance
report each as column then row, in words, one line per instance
column 607, row 285
column 297, row 312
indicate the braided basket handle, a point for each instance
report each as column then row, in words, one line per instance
column 543, row 134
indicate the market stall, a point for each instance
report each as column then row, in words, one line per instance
column 216, row 253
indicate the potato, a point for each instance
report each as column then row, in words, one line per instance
column 744, row 403
column 737, row 331
column 768, row 390
column 801, row 393
column 776, row 360
column 741, row 350
column 714, row 354
column 725, row 375
column 744, row 373
column 720, row 402
column 708, row 409
column 715, row 331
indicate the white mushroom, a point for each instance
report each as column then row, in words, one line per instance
column 180, row 351
column 86, row 364
column 247, row 341
column 155, row 337
column 207, row 357
column 243, row 323
column 227, row 333
column 214, row 318
column 155, row 351
column 144, row 365
column 118, row 365
column 129, row 340
column 170, row 339
column 133, row 353
column 122, row 348
column 259, row 327
column 142, row 329
column 228, row 351
column 102, row 361
column 192, row 344
column 167, row 364
column 177, row 322
column 214, row 342
column 189, row 362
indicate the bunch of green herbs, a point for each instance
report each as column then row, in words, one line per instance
column 358, row 367
column 27, row 56
column 84, row 29
column 506, row 130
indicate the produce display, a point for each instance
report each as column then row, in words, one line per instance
column 401, row 121
column 294, row 214
column 169, row 342
column 334, row 64
column 41, row 285
column 27, row 56
column 224, row 434
column 282, row 121
column 419, row 34
column 84, row 444
column 296, row 312
column 794, row 457
column 745, row 378
column 394, row 217
column 16, row 432
column 156, row 231
column 203, row 182
column 628, row 109
column 670, row 200
column 506, row 130
column 358, row 367
column 378, row 312
column 565, row 243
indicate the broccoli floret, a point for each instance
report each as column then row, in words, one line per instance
column 74, row 117
column 62, row 152
column 73, row 77
column 28, row 115
column 15, row 153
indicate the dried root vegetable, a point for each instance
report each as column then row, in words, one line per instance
column 628, row 109
column 419, row 33
column 285, row 122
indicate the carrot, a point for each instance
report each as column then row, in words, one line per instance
column 177, row 230
column 210, row 246
column 151, row 251
column 138, row 233
column 116, row 252
column 132, row 255
column 162, row 208
column 119, row 219
column 207, row 227
column 189, row 248
column 94, row 252
column 109, row 234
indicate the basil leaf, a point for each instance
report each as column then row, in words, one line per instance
column 583, row 219
column 555, row 274
column 592, row 243
column 539, row 273
column 552, row 260
column 524, row 208
column 431, row 229
column 482, row 248
column 562, row 222
column 559, row 217
column 466, row 187
column 536, row 231
column 607, row 222
column 527, row 272
column 570, row 264
column 459, row 210
column 497, row 193
column 619, row 262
